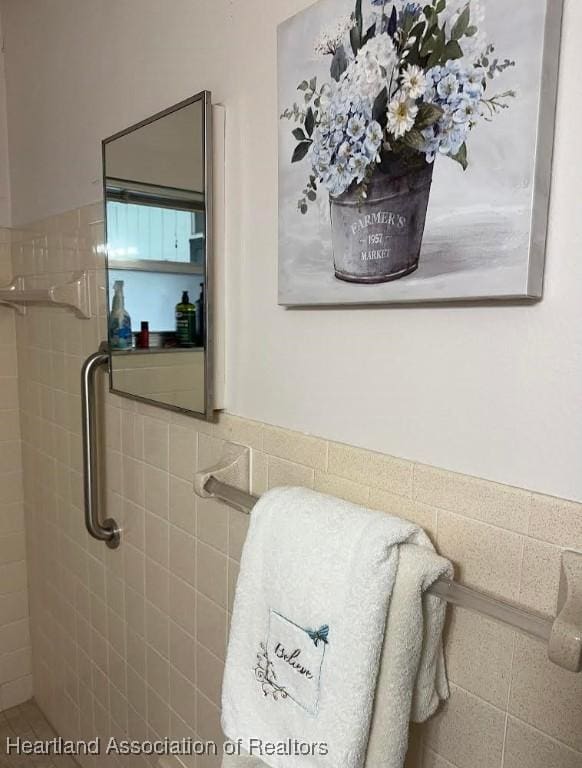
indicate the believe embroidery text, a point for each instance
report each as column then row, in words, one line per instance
column 293, row 660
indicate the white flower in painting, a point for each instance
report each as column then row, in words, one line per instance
column 402, row 113
column 413, row 82
column 331, row 39
column 370, row 71
column 381, row 48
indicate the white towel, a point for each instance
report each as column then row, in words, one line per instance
column 316, row 579
column 412, row 680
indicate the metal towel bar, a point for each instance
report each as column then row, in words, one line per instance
column 530, row 623
column 563, row 634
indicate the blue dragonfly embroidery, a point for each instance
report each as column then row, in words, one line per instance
column 319, row 635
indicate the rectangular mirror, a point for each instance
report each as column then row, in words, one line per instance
column 158, row 215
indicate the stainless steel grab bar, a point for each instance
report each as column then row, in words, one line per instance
column 107, row 531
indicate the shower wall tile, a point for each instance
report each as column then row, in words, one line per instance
column 479, row 654
column 546, row 696
column 488, row 502
column 133, row 642
column 372, row 469
column 15, row 662
column 282, row 472
column 529, row 747
column 392, row 504
column 342, row 488
column 468, row 731
column 556, row 521
column 540, row 577
column 484, row 557
column 302, row 449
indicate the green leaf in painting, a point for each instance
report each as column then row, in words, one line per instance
column 313, row 83
column 303, row 86
column 433, row 59
column 414, row 139
column 359, row 18
column 471, row 31
column 393, row 22
column 461, row 157
column 355, row 39
column 339, row 64
column 461, row 24
column 428, row 114
column 437, row 51
column 452, row 51
column 300, row 151
column 428, row 46
column 418, row 30
column 299, row 135
column 369, row 34
column 309, row 122
column 380, row 108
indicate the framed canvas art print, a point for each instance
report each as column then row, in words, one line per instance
column 415, row 148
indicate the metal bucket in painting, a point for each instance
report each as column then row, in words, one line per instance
column 379, row 239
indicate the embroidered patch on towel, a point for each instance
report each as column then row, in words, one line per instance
column 289, row 664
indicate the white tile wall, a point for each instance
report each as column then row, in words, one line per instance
column 15, row 655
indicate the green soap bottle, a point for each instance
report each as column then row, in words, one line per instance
column 186, row 322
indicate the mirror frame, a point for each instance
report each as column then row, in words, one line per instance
column 209, row 412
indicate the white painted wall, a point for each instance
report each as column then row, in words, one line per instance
column 494, row 391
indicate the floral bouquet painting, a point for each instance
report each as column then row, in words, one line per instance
column 399, row 89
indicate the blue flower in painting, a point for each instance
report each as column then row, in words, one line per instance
column 373, row 140
column 452, row 140
column 356, row 127
column 320, row 159
column 448, row 88
column 466, row 111
column 339, row 178
column 436, row 73
column 359, row 165
column 453, row 66
column 473, row 84
column 374, row 133
column 344, row 150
